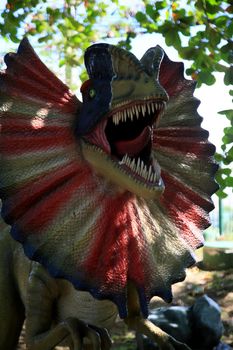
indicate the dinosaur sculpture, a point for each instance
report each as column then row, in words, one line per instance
column 108, row 197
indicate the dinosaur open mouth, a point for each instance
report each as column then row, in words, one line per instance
column 126, row 135
column 129, row 132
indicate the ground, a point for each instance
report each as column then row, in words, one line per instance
column 216, row 284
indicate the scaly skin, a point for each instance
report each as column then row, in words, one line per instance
column 110, row 194
column 51, row 307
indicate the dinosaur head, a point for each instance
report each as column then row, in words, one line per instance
column 122, row 104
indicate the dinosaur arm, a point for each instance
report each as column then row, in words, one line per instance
column 136, row 322
column 43, row 291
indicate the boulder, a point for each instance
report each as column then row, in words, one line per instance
column 199, row 326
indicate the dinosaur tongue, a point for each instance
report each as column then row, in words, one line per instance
column 134, row 147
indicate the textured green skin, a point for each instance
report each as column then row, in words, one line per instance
column 26, row 289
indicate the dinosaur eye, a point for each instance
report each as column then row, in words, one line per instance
column 92, row 93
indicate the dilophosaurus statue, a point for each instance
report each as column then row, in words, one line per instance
column 108, row 197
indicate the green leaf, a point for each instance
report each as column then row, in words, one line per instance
column 227, row 139
column 229, row 181
column 214, row 37
column 62, row 62
column 224, row 171
column 14, row 38
column 228, row 130
column 199, row 5
column 227, row 160
column 188, row 52
column 206, row 78
column 229, row 29
column 227, row 48
column 141, row 17
column 221, row 21
column 172, row 38
column 228, row 78
column 218, row 157
column 228, row 113
column 212, row 9
column 45, row 38
column 160, row 5
column 152, row 12
column 230, row 153
column 221, row 194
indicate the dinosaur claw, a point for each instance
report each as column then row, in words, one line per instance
column 85, row 336
column 163, row 340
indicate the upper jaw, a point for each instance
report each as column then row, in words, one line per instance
column 131, row 110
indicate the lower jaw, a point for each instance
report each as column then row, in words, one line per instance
column 109, row 169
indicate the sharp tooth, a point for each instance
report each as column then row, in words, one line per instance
column 149, row 172
column 123, row 160
column 133, row 164
column 145, row 172
column 142, row 168
column 131, row 114
column 143, row 110
column 138, row 166
column 148, row 108
column 125, row 115
column 152, row 107
column 137, row 111
column 121, row 115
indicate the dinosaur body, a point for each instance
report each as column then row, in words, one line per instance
column 112, row 193
column 27, row 289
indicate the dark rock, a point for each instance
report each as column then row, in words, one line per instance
column 199, row 326
column 174, row 321
column 207, row 326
